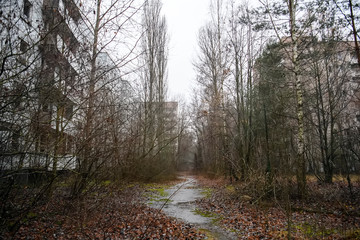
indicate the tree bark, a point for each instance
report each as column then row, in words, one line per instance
column 300, row 163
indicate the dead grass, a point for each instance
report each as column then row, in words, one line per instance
column 355, row 178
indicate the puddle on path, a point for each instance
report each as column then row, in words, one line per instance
column 181, row 205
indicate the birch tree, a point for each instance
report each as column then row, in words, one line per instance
column 291, row 49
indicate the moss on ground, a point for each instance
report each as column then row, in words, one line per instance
column 207, row 192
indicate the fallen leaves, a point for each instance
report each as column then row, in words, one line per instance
column 328, row 213
column 120, row 215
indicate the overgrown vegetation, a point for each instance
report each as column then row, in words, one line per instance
column 111, row 211
column 86, row 123
column 269, row 111
column 328, row 211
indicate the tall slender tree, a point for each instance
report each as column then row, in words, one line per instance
column 154, row 77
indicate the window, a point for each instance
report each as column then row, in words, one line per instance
column 46, row 107
column 354, row 65
column 17, row 95
column 10, row 139
column 5, row 144
column 27, row 8
column 44, row 139
column 23, row 46
column 69, row 111
column 69, row 144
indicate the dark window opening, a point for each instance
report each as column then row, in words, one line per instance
column 69, row 112
column 17, row 94
column 27, row 8
column 354, row 65
column 44, row 142
column 356, row 79
column 5, row 145
column 15, row 140
column 69, row 144
column 46, row 108
column 23, row 46
column 10, row 140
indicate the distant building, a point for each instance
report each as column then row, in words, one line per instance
column 112, row 112
column 330, row 78
column 160, row 125
column 170, row 116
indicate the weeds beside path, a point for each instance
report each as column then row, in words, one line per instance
column 327, row 213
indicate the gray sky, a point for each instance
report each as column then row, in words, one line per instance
column 184, row 18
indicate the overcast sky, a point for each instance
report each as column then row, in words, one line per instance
column 184, row 18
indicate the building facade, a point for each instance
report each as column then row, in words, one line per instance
column 44, row 47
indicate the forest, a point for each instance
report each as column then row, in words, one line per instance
column 92, row 146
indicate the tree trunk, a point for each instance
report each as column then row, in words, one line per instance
column 355, row 34
column 300, row 163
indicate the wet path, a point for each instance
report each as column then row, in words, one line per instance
column 180, row 203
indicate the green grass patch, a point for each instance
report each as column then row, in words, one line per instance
column 156, row 185
column 313, row 231
column 156, row 193
column 230, row 189
column 105, row 183
column 207, row 214
column 202, row 213
column 131, row 185
column 352, row 233
column 207, row 192
column 159, row 191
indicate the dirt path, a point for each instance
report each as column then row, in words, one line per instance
column 180, row 203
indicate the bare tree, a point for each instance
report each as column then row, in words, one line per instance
column 348, row 11
column 242, row 42
column 157, row 125
column 109, row 22
column 212, row 73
